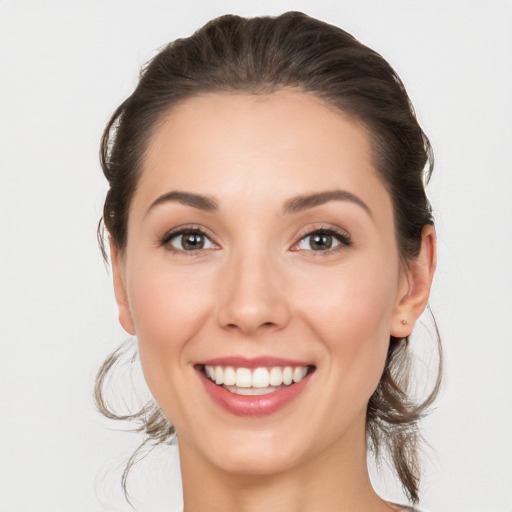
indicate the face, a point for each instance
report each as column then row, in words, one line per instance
column 261, row 238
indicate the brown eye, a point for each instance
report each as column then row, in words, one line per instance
column 322, row 240
column 189, row 241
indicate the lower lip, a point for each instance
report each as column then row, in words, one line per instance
column 253, row 405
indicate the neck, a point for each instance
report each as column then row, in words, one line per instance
column 336, row 480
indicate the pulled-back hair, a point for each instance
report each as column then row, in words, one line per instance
column 259, row 56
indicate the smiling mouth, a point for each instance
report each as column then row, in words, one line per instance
column 255, row 381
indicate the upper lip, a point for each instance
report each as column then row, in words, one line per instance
column 253, row 362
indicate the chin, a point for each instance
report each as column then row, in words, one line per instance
column 246, row 452
column 259, row 462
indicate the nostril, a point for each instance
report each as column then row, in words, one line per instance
column 266, row 325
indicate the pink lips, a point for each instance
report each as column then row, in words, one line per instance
column 252, row 405
column 253, row 362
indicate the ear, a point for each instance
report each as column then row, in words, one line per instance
column 414, row 288
column 118, row 274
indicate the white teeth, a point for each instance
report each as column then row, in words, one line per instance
column 299, row 373
column 219, row 375
column 264, row 379
column 260, row 378
column 276, row 377
column 229, row 376
column 250, row 391
column 243, row 377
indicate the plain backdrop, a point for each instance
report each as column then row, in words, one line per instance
column 65, row 66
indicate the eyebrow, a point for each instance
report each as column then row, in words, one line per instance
column 187, row 198
column 293, row 205
column 300, row 203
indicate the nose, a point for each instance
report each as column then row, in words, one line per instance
column 252, row 296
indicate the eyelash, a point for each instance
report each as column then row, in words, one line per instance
column 340, row 236
column 190, row 230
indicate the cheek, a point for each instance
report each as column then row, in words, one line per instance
column 351, row 318
column 166, row 303
column 357, row 298
column 168, row 307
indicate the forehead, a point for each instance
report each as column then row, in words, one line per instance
column 280, row 144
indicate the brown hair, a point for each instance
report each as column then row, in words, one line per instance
column 258, row 56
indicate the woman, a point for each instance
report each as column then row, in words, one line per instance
column 272, row 248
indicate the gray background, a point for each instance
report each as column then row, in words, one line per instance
column 64, row 67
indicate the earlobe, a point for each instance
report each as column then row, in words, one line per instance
column 118, row 274
column 413, row 296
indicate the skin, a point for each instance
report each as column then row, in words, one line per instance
column 257, row 288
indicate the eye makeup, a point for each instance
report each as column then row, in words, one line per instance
column 194, row 239
column 323, row 239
